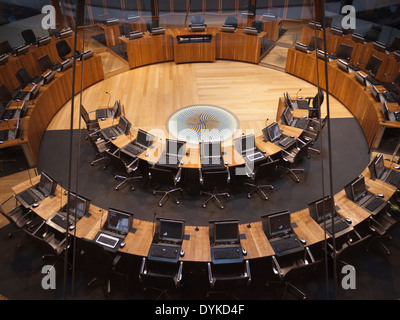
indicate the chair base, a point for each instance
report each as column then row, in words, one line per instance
column 213, row 195
column 126, row 180
column 259, row 189
column 379, row 239
column 166, row 194
column 289, row 288
column 292, row 172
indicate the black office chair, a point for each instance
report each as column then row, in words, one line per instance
column 122, row 165
column 22, row 219
column 227, row 277
column 293, row 267
column 100, row 146
column 92, row 125
column 313, row 131
column 265, row 171
column 212, row 181
column 161, row 276
column 29, row 36
column 165, row 178
column 293, row 158
column 24, row 78
column 64, row 50
column 231, row 21
column 102, row 264
column 373, row 33
column 317, row 100
column 58, row 244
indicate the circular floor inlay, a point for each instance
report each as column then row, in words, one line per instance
column 202, row 123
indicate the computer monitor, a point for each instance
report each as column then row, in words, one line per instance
column 274, row 132
column 344, row 51
column 385, row 110
column 5, row 47
column 47, row 185
column 226, row 231
column 358, row 188
column 278, row 222
column 395, row 44
column 379, row 165
column 124, row 124
column 170, row 229
column 324, row 207
column 287, row 114
column 373, row 65
column 45, row 62
column 210, row 149
column 144, row 138
column 117, row 108
column 78, row 203
column 375, row 93
column 119, row 221
column 175, row 147
column 316, row 43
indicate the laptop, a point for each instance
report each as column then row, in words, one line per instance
column 45, row 63
column 211, row 155
column 121, row 128
column 296, row 104
column 279, row 232
column 356, row 191
column 104, row 113
column 62, row 220
column 167, row 240
column 11, row 134
column 115, row 230
column 274, row 134
column 379, row 171
column 173, row 153
column 389, row 116
column 45, row 188
column 141, row 143
column 225, row 242
column 15, row 113
column 294, row 122
column 324, row 210
column 245, row 145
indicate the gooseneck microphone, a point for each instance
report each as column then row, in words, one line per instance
column 109, row 97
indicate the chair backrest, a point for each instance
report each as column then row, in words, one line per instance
column 160, row 275
column 85, row 115
column 116, row 162
column 259, row 25
column 63, row 49
column 28, row 36
column 23, row 77
column 197, row 19
column 217, row 178
column 162, row 176
column 302, row 152
column 232, row 21
column 373, row 33
column 267, row 171
column 318, row 99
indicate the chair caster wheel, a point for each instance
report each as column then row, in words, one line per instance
column 177, row 202
column 116, row 188
column 160, row 204
column 222, row 207
column 204, row 206
column 154, row 193
column 271, row 188
column 249, row 195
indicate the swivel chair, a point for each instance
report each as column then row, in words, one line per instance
column 24, row 78
column 317, row 100
column 227, row 277
column 64, row 50
column 231, row 21
column 161, row 276
column 265, row 171
column 29, row 36
column 121, row 165
column 293, row 159
column 166, row 178
column 213, row 180
column 92, row 125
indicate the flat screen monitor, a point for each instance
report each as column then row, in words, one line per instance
column 176, row 147
column 287, row 114
column 124, row 124
column 78, row 203
column 46, row 184
column 324, row 208
column 316, row 43
column 5, row 47
column 210, row 149
column 248, row 143
column 171, row 230
column 274, row 132
column 379, row 166
column 278, row 223
column 375, row 93
column 395, row 44
column 144, row 138
column 45, row 62
column 119, row 221
column 373, row 65
column 358, row 188
column 344, row 51
column 226, row 231
column 117, row 108
column 385, row 110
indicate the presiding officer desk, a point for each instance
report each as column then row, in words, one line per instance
column 51, row 97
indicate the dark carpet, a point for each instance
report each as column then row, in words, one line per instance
column 349, row 158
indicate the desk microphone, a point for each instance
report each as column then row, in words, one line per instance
column 266, row 121
column 109, row 97
column 297, row 94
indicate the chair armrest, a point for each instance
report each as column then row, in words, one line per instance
column 142, row 268
column 248, row 272
column 116, row 260
column 178, row 176
column 229, row 175
column 276, row 268
column 201, row 177
column 135, row 161
column 211, row 279
column 178, row 278
column 310, row 256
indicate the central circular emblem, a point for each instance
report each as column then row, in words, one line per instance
column 202, row 123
